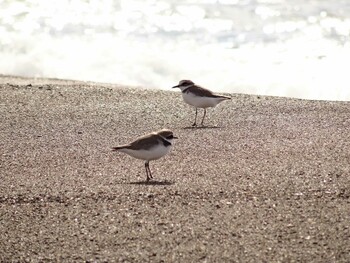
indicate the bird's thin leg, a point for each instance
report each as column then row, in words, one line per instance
column 149, row 174
column 205, row 112
column 147, row 168
column 195, row 119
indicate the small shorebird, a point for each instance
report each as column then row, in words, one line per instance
column 149, row 147
column 199, row 97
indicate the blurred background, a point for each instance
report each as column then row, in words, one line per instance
column 293, row 48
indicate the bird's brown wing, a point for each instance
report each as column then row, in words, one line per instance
column 202, row 92
column 199, row 91
column 145, row 142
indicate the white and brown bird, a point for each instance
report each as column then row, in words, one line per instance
column 149, row 147
column 199, row 97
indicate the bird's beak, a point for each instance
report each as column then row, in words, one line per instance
column 175, row 86
column 175, row 137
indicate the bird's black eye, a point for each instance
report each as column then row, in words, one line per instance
column 170, row 137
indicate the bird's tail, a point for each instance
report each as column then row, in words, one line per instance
column 224, row 97
column 117, row 148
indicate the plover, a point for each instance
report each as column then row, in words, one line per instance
column 199, row 97
column 149, row 147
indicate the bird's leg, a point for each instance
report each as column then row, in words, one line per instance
column 195, row 119
column 147, row 168
column 148, row 171
column 205, row 112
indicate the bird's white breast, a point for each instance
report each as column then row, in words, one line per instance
column 153, row 153
column 200, row 102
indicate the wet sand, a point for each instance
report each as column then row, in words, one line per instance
column 267, row 179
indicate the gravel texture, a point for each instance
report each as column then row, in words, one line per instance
column 267, row 180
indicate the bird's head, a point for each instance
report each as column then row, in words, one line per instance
column 183, row 84
column 167, row 135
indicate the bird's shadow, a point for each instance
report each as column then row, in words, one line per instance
column 152, row 182
column 201, row 127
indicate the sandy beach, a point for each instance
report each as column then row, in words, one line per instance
column 267, row 179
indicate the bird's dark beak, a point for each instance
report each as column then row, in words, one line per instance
column 175, row 86
column 175, row 137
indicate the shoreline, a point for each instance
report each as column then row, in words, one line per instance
column 267, row 180
column 22, row 80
